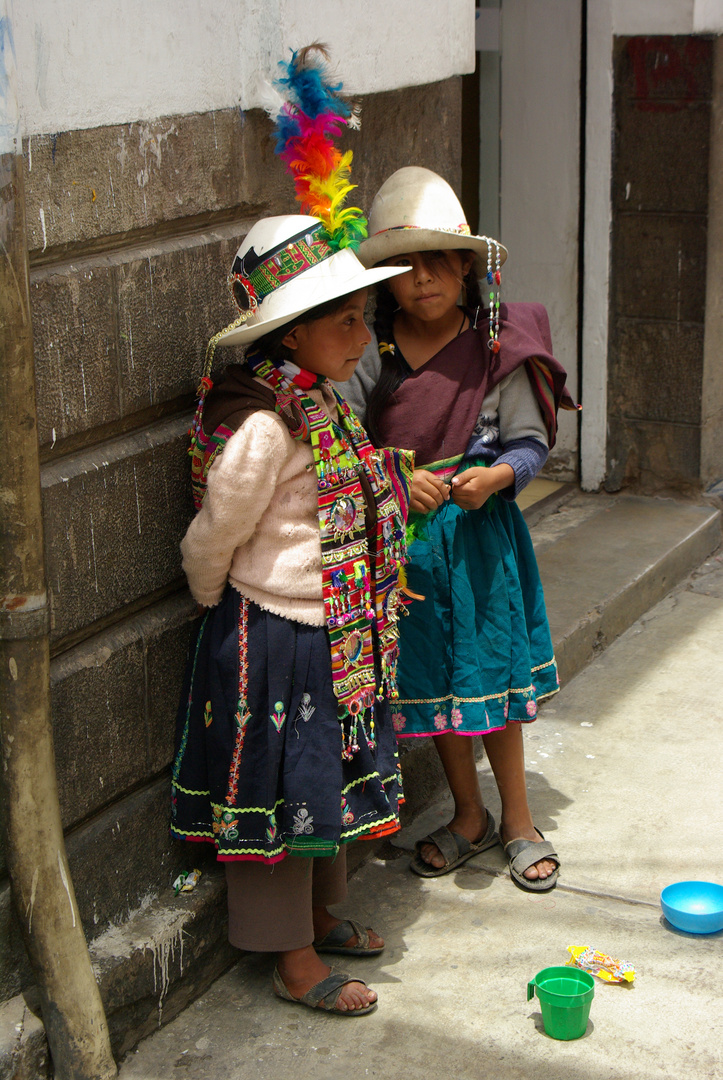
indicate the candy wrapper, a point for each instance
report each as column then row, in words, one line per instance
column 600, row 964
column 187, row 881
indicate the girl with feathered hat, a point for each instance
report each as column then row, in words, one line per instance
column 285, row 749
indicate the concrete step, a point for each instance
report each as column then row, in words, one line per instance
column 605, row 560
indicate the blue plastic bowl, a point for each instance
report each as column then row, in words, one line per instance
column 694, row 906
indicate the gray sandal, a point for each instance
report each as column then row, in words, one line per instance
column 324, row 995
column 521, row 854
column 335, row 940
column 455, row 849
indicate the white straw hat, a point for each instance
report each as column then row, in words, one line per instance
column 285, row 267
column 416, row 210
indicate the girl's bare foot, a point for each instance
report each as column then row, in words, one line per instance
column 300, row 969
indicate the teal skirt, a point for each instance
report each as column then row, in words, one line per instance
column 476, row 652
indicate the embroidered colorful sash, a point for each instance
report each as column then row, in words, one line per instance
column 360, row 571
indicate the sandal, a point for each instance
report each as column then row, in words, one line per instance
column 324, row 995
column 455, row 849
column 335, row 940
column 521, row 854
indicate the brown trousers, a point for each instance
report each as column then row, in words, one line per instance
column 269, row 907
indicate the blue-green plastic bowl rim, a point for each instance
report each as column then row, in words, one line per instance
column 691, row 916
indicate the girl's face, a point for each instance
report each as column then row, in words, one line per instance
column 431, row 289
column 332, row 346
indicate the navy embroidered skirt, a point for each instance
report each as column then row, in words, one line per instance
column 261, row 775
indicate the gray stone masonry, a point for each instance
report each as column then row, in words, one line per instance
column 116, row 334
column 113, row 519
column 125, row 739
column 23, row 1046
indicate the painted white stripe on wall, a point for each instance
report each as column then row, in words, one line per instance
column 540, row 171
column 598, row 216
column 9, row 114
column 91, row 64
column 708, row 17
column 651, row 17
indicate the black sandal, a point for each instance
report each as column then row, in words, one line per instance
column 455, row 849
column 324, row 995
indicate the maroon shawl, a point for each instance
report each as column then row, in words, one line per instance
column 435, row 409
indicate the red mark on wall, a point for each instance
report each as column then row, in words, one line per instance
column 668, row 71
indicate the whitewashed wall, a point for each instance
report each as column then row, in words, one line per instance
column 86, row 64
column 539, row 173
column 606, row 19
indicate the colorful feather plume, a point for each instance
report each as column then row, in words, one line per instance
column 311, row 115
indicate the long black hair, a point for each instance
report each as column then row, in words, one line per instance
column 394, row 367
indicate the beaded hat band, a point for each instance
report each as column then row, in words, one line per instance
column 253, row 277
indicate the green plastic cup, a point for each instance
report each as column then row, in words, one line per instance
column 565, row 995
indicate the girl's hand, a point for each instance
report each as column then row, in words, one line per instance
column 472, row 488
column 428, row 491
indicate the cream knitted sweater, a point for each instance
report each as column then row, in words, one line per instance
column 258, row 527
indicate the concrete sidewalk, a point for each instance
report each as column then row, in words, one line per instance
column 624, row 775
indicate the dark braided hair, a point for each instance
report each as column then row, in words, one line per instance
column 394, row 368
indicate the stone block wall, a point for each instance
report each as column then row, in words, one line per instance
column 662, row 96
column 132, row 230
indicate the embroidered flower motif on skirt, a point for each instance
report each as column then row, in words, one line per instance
column 224, row 824
column 303, row 822
column 456, row 717
column 506, row 710
column 278, row 715
column 531, row 708
column 207, row 715
column 398, row 721
column 440, row 720
column 347, row 816
column 271, row 829
column 306, row 709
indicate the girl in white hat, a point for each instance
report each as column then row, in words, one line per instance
column 473, row 389
column 285, row 749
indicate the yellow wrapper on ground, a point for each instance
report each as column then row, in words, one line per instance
column 600, row 964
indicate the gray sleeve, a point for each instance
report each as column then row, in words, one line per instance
column 357, row 389
column 523, row 434
column 519, row 414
